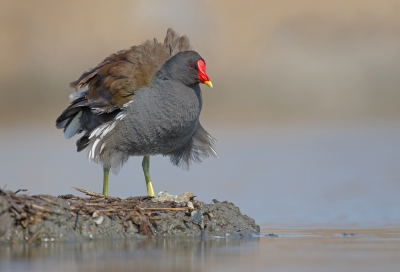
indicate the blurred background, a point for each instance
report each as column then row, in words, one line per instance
column 305, row 103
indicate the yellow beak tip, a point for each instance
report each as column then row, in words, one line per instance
column 208, row 83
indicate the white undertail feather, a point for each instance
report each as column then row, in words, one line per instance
column 99, row 133
column 98, row 153
column 73, row 127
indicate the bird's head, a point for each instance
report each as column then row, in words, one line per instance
column 188, row 67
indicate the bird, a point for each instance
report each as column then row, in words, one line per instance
column 142, row 101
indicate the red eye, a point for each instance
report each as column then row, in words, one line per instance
column 191, row 66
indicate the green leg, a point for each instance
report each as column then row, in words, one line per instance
column 106, row 171
column 146, row 166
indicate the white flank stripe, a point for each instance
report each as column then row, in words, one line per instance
column 102, row 146
column 94, row 132
column 127, row 104
column 100, row 130
column 120, row 115
column 107, row 130
column 93, row 150
column 97, row 131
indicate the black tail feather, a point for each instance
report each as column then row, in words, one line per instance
column 69, row 113
column 82, row 143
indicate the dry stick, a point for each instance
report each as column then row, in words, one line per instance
column 128, row 216
column 33, row 237
column 22, row 197
column 95, row 204
column 76, row 219
column 150, row 226
column 143, row 227
column 15, row 206
column 37, row 207
column 17, row 214
column 123, row 221
column 95, row 200
column 165, row 209
column 109, row 210
column 48, row 200
column 86, row 192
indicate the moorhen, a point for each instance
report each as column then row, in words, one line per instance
column 142, row 101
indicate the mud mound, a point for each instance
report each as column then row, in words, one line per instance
column 25, row 218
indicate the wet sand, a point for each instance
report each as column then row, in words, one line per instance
column 292, row 250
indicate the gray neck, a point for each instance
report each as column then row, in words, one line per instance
column 175, row 102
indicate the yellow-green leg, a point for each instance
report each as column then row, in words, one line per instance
column 146, row 166
column 106, row 171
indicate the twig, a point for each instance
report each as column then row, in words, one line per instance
column 128, row 216
column 37, row 207
column 95, row 204
column 165, row 209
column 76, row 218
column 143, row 227
column 48, row 200
column 109, row 210
column 89, row 193
column 33, row 237
column 15, row 206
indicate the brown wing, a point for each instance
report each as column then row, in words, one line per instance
column 113, row 82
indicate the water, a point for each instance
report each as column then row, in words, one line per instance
column 294, row 250
column 308, row 184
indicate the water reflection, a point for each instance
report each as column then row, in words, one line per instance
column 299, row 250
column 157, row 254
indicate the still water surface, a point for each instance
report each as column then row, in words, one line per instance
column 293, row 250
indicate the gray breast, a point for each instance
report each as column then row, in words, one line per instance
column 158, row 120
column 161, row 120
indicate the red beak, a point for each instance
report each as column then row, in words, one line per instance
column 201, row 66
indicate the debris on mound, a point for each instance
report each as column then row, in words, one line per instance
column 25, row 218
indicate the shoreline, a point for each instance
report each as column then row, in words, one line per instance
column 38, row 218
